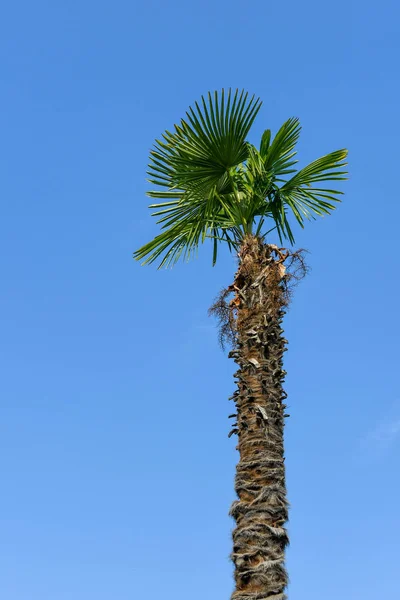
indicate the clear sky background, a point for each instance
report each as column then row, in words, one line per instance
column 116, row 470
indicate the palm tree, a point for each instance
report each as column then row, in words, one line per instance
column 215, row 185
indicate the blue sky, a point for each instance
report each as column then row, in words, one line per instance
column 117, row 473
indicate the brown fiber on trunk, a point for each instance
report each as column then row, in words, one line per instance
column 261, row 511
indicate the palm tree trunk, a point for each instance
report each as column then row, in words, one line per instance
column 261, row 511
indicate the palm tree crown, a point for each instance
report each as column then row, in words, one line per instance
column 216, row 185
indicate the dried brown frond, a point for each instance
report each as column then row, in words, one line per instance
column 222, row 310
column 268, row 269
column 296, row 270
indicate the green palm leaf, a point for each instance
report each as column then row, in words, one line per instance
column 278, row 155
column 215, row 185
column 303, row 198
column 204, row 147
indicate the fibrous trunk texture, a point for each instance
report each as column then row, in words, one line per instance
column 261, row 511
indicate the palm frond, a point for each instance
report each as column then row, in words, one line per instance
column 279, row 154
column 186, row 222
column 206, row 145
column 305, row 200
